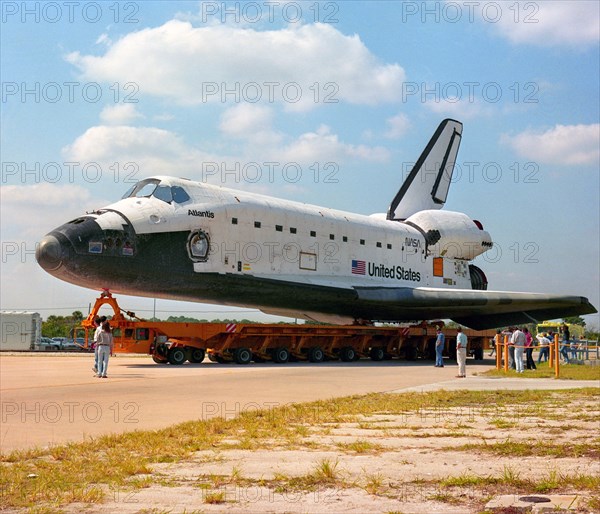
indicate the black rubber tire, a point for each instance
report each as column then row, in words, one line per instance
column 478, row 354
column 161, row 350
column 177, row 355
column 377, row 354
column 242, row 355
column 347, row 354
column 159, row 360
column 212, row 357
column 196, row 355
column 281, row 355
column 316, row 354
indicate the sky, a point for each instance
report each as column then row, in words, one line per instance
column 328, row 103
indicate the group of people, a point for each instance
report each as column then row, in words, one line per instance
column 103, row 346
column 522, row 345
column 520, row 349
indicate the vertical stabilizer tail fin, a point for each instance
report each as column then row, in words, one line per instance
column 427, row 184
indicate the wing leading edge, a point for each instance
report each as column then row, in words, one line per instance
column 476, row 309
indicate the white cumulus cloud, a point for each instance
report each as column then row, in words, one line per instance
column 548, row 23
column 152, row 151
column 249, row 121
column 562, row 144
column 397, row 126
column 324, row 146
column 299, row 66
column 119, row 114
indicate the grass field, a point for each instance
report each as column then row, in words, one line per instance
column 566, row 372
column 462, row 424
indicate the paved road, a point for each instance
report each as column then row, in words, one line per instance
column 51, row 399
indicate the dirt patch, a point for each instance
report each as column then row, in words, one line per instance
column 443, row 459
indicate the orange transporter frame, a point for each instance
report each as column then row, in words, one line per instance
column 176, row 342
column 185, row 341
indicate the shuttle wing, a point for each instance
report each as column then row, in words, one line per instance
column 426, row 186
column 475, row 309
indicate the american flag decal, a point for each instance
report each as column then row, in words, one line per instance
column 358, row 267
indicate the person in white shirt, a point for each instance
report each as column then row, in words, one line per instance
column 544, row 347
column 518, row 339
column 98, row 321
column 461, row 353
column 105, row 349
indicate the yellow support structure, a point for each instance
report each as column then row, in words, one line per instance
column 499, row 348
column 557, row 359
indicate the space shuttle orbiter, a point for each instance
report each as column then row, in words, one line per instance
column 179, row 239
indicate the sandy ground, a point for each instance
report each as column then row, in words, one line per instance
column 379, row 463
column 397, row 469
column 53, row 398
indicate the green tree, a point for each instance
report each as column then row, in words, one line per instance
column 575, row 320
column 61, row 326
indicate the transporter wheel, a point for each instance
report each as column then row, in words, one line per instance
column 478, row 354
column 377, row 354
column 242, row 355
column 177, row 355
column 410, row 353
column 316, row 354
column 281, row 355
column 196, row 355
column 257, row 359
column 347, row 354
column 212, row 357
column 159, row 360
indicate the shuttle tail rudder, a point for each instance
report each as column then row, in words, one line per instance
column 426, row 186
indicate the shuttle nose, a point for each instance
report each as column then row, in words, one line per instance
column 49, row 253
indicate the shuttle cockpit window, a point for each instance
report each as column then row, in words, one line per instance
column 179, row 194
column 163, row 193
column 142, row 189
column 153, row 187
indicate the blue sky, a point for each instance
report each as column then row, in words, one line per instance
column 354, row 90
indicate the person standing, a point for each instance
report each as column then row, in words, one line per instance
column 98, row 322
column 439, row 348
column 529, row 349
column 461, row 353
column 573, row 346
column 495, row 343
column 545, row 342
column 565, row 343
column 511, row 349
column 518, row 340
column 105, row 349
